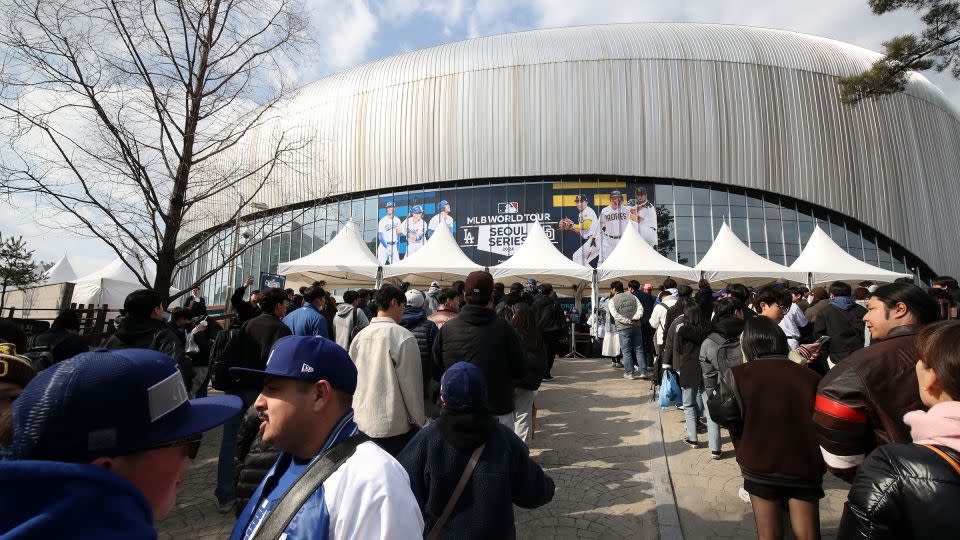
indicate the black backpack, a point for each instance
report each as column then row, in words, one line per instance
column 41, row 356
column 225, row 353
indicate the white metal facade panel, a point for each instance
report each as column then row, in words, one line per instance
column 742, row 106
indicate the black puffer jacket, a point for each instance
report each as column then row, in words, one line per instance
column 478, row 336
column 253, row 459
column 903, row 491
column 415, row 320
column 137, row 333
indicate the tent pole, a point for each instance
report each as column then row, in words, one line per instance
column 810, row 280
column 379, row 281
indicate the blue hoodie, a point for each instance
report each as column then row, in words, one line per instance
column 48, row 499
column 844, row 303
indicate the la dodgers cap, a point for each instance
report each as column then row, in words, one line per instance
column 110, row 403
column 309, row 358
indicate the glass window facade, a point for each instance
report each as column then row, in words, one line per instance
column 489, row 219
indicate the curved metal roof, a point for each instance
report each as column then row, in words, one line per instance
column 750, row 107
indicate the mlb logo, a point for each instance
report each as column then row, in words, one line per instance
column 508, row 207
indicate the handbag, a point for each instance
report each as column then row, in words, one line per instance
column 611, row 345
column 191, row 346
column 464, row 478
column 724, row 403
column 669, row 390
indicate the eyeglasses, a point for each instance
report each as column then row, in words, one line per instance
column 192, row 444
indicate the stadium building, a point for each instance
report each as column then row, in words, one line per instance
column 693, row 125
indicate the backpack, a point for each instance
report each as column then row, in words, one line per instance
column 41, row 356
column 724, row 403
column 224, row 354
column 729, row 353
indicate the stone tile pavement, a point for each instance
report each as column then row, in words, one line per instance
column 601, row 438
column 706, row 489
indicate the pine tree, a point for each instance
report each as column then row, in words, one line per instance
column 17, row 268
column 937, row 46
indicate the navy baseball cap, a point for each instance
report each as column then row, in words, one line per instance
column 463, row 387
column 389, row 204
column 416, row 209
column 309, row 358
column 443, row 204
column 110, row 403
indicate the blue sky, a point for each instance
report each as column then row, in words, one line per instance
column 351, row 32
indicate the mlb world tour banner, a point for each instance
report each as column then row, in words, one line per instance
column 585, row 220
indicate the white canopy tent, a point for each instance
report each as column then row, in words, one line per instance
column 539, row 259
column 729, row 260
column 635, row 258
column 61, row 272
column 823, row 261
column 440, row 259
column 345, row 260
column 111, row 284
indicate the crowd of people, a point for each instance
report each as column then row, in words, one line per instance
column 396, row 413
column 403, row 413
column 857, row 381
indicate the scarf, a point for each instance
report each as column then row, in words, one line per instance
column 939, row 425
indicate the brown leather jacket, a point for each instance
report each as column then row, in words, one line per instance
column 862, row 400
column 442, row 315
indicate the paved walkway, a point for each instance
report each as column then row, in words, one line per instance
column 601, row 439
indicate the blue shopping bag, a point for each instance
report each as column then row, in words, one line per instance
column 669, row 390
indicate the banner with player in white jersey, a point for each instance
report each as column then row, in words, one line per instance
column 584, row 219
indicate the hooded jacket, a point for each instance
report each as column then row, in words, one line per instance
column 137, row 333
column 504, row 476
column 478, row 336
column 659, row 317
column 343, row 324
column 842, row 320
column 431, row 300
column 48, row 499
column 686, row 344
column 907, row 491
column 862, row 400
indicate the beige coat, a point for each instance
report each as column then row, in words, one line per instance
column 389, row 396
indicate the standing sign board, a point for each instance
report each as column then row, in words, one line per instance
column 269, row 281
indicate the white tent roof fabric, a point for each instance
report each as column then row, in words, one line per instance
column 635, row 258
column 110, row 285
column 730, row 260
column 61, row 272
column 345, row 259
column 440, row 259
column 829, row 262
column 538, row 258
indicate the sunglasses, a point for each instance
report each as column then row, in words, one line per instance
column 192, row 444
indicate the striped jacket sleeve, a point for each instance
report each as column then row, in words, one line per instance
column 841, row 416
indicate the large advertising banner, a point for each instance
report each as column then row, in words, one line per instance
column 584, row 220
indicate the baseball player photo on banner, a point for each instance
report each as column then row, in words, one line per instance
column 388, row 236
column 414, row 229
column 585, row 227
column 443, row 217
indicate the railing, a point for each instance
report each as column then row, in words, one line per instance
column 96, row 322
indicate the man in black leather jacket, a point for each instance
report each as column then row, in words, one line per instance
column 143, row 328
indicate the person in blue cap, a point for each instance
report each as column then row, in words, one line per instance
column 306, row 408
column 444, row 217
column 388, row 234
column 415, row 229
column 101, row 443
column 504, row 474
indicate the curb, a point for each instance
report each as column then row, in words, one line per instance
column 668, row 518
